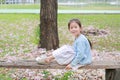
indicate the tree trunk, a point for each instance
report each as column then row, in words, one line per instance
column 48, row 25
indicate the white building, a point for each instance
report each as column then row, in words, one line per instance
column 21, row 1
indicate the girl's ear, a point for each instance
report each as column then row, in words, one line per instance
column 81, row 30
column 69, row 29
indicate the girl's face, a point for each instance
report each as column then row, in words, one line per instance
column 75, row 29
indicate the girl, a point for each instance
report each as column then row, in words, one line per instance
column 77, row 55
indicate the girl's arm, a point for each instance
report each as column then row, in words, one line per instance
column 79, row 54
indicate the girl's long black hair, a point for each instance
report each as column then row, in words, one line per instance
column 90, row 43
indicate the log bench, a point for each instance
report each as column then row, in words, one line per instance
column 112, row 68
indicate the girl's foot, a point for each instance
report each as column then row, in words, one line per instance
column 41, row 59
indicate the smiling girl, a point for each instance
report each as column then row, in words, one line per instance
column 79, row 54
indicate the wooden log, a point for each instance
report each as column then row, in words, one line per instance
column 32, row 64
column 112, row 74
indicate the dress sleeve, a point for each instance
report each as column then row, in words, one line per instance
column 79, row 54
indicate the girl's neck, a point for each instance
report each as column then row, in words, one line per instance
column 77, row 36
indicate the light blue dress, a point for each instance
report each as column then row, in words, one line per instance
column 82, row 51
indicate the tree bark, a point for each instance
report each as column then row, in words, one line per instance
column 48, row 25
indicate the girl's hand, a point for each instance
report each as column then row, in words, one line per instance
column 68, row 67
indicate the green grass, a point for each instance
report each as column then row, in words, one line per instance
column 20, row 6
column 99, row 6
column 92, row 6
column 4, row 75
column 19, row 33
column 99, row 21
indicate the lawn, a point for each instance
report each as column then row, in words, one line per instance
column 19, row 33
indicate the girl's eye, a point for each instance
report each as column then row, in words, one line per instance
column 71, row 28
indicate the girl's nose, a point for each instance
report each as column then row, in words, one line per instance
column 74, row 29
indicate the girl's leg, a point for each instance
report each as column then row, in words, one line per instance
column 55, row 53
